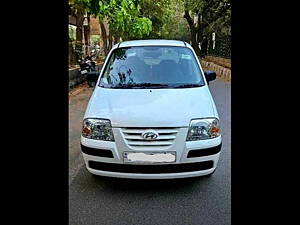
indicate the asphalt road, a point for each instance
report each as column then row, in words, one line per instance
column 199, row 201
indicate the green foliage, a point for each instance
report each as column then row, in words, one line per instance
column 77, row 4
column 216, row 14
column 123, row 16
column 140, row 19
column 211, row 16
column 95, row 38
column 127, row 22
column 159, row 13
column 176, row 27
column 72, row 33
column 79, row 51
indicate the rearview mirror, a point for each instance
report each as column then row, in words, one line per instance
column 210, row 76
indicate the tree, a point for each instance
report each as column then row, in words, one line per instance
column 124, row 19
column 87, row 33
column 77, row 9
column 209, row 14
column 175, row 27
column 159, row 12
column 72, row 38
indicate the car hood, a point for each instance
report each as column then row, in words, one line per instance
column 151, row 108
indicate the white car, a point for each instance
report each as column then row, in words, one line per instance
column 151, row 114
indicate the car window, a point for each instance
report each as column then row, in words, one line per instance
column 152, row 66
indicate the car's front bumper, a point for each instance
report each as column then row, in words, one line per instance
column 146, row 172
column 151, row 176
column 106, row 158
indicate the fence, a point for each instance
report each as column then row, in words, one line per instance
column 222, row 47
column 219, row 58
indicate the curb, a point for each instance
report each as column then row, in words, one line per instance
column 222, row 72
column 75, row 91
column 219, row 61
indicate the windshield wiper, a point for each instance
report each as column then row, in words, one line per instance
column 153, row 85
column 187, row 85
column 120, row 86
column 140, row 85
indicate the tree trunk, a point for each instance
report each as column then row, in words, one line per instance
column 193, row 31
column 72, row 56
column 194, row 39
column 87, row 35
column 116, row 38
column 110, row 40
column 104, row 37
column 199, row 29
column 79, row 36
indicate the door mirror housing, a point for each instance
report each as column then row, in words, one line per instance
column 210, row 76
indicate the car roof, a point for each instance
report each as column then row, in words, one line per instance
column 152, row 42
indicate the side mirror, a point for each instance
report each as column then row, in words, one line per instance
column 210, row 76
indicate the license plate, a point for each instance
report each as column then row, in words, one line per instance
column 149, row 157
column 83, row 71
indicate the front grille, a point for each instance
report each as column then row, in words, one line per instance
column 133, row 137
column 151, row 169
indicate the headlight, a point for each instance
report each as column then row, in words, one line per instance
column 201, row 129
column 98, row 129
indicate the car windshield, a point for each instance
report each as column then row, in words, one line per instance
column 152, row 67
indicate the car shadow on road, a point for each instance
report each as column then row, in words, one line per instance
column 149, row 185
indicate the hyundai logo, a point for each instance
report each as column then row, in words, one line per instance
column 150, row 135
